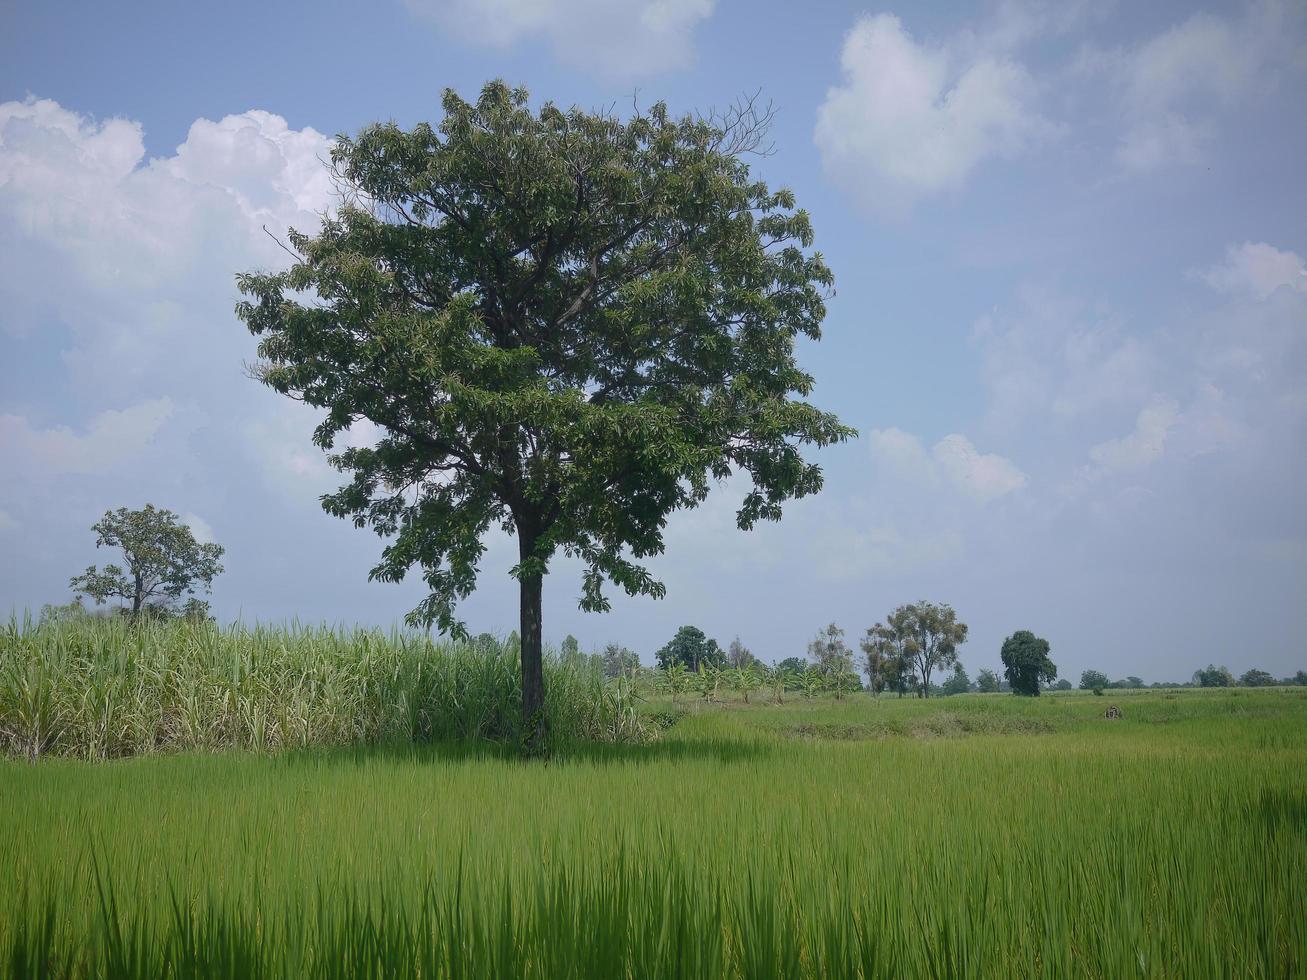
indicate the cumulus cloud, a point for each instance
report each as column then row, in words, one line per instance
column 953, row 462
column 1144, row 444
column 1174, row 86
column 1258, row 269
column 132, row 262
column 111, row 439
column 910, row 119
column 618, row 40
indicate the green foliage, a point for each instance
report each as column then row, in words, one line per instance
column 795, row 665
column 914, row 641
column 1026, row 664
column 958, row 683
column 745, row 679
column 690, row 648
column 1256, row 678
column 987, row 681
column 105, row 688
column 567, row 324
column 164, row 563
column 1063, row 685
column 833, row 660
column 1093, row 680
column 676, row 678
column 1213, row 676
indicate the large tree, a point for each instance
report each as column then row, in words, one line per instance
column 164, row 563
column 1026, row 664
column 563, row 323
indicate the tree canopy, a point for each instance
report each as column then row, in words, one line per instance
column 690, row 648
column 563, row 323
column 1093, row 680
column 1213, row 676
column 1026, row 664
column 915, row 640
column 163, row 563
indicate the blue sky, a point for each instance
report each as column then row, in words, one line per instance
column 1070, row 318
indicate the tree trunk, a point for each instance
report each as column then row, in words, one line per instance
column 534, row 725
column 137, row 597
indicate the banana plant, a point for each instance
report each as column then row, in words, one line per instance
column 709, row 681
column 744, row 680
column 778, row 679
column 811, row 681
column 676, row 679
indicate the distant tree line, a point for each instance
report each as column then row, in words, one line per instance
column 164, row 570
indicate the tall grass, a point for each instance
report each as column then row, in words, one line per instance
column 1169, row 843
column 106, row 688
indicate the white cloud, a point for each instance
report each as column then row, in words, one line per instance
column 1144, row 445
column 911, row 119
column 984, row 476
column 1258, row 269
column 625, row 39
column 112, row 438
column 135, row 260
column 1173, row 87
column 954, row 461
column 200, row 528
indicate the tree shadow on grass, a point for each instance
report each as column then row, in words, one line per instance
column 720, row 751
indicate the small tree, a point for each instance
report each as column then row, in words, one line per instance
column 832, row 657
column 618, row 661
column 958, row 683
column 163, row 562
column 883, row 656
column 1213, row 676
column 565, row 324
column 738, row 655
column 1063, row 685
column 692, row 648
column 1093, row 680
column 1300, row 679
column 1026, row 664
column 987, row 681
column 1256, row 678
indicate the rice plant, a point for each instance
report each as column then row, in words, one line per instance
column 977, row 837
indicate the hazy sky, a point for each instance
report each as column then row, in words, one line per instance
column 1070, row 318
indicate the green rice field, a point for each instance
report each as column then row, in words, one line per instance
column 977, row 836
